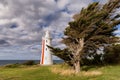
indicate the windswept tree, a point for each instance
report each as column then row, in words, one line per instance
column 92, row 28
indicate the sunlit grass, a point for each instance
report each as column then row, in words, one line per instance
column 59, row 72
column 67, row 71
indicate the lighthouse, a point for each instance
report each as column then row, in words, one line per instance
column 46, row 56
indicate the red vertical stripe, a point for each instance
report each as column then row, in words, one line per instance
column 43, row 45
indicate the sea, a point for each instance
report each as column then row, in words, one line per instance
column 4, row 62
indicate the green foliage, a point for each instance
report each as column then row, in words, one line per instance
column 112, row 54
column 30, row 62
column 16, row 65
column 12, row 65
column 64, row 54
column 96, row 60
column 95, row 25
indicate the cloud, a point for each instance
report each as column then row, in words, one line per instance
column 3, row 43
column 62, row 3
column 23, row 22
column 18, row 53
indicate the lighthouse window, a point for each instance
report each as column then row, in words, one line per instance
column 46, row 49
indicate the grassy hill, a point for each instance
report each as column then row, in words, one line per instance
column 59, row 72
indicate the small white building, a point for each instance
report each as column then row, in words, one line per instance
column 46, row 55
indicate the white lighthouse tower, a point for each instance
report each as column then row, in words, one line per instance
column 46, row 56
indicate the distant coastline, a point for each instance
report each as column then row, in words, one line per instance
column 4, row 62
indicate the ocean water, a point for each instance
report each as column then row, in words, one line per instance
column 4, row 62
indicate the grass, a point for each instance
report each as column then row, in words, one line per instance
column 59, row 72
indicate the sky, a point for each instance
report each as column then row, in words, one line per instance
column 23, row 23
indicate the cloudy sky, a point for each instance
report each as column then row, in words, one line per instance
column 23, row 22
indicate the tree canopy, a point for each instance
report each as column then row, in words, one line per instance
column 92, row 28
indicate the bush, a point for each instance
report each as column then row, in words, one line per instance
column 112, row 54
column 30, row 62
column 12, row 65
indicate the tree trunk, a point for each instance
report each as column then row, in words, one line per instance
column 77, row 66
column 77, row 49
column 77, row 56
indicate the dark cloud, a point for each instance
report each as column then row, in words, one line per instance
column 14, row 26
column 56, row 0
column 3, row 42
column 51, row 18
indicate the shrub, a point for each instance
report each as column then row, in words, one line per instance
column 30, row 62
column 12, row 65
column 112, row 54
